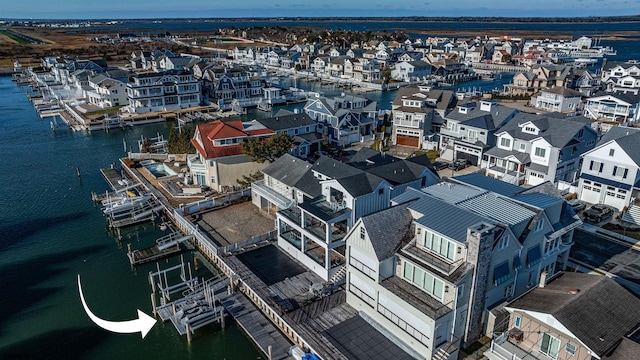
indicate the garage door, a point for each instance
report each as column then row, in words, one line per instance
column 472, row 159
column 589, row 195
column 408, row 141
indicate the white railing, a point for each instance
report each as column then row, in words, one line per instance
column 498, row 349
column 254, row 240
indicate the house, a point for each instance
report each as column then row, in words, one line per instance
column 417, row 115
column 501, row 57
column 317, row 203
column 531, row 149
column 344, row 119
column 106, row 92
column 410, row 70
column 170, row 90
column 621, row 77
column 623, row 108
column 610, row 172
column 571, row 316
column 300, row 127
column 538, row 78
column 469, row 130
column 584, row 81
column 430, row 281
column 557, row 99
column 219, row 161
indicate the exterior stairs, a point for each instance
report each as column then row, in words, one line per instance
column 632, row 215
column 339, row 277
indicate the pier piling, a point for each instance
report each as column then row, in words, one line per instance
column 188, row 328
column 153, row 304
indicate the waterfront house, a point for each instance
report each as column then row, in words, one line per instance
column 318, row 202
column 584, row 81
column 531, row 149
column 344, row 119
column 106, row 92
column 468, row 130
column 557, row 99
column 300, row 127
column 621, row 77
column 571, row 316
column 170, row 90
column 417, row 113
column 219, row 161
column 620, row 108
column 610, row 172
column 411, row 70
column 538, row 78
column 431, row 282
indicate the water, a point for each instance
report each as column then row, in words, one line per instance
column 50, row 232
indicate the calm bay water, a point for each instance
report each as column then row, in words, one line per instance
column 50, row 232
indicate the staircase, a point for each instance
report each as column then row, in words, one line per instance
column 339, row 277
column 632, row 215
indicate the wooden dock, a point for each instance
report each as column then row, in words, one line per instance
column 263, row 333
column 166, row 246
column 114, row 179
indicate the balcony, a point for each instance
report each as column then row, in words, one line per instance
column 292, row 237
column 282, row 202
column 195, row 165
column 501, row 349
column 293, row 213
column 407, row 123
column 434, row 261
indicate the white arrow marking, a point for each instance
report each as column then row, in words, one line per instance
column 143, row 323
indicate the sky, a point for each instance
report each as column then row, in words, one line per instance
column 128, row 9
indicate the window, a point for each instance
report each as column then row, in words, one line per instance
column 540, row 152
column 570, row 348
column 507, row 291
column 550, row 345
column 504, row 242
column 620, row 172
column 380, row 191
column 580, row 133
column 505, row 142
column 539, row 225
column 362, row 233
column 523, row 147
column 213, row 179
column 517, row 322
column 596, row 166
column 612, row 152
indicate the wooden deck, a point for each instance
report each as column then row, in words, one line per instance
column 153, row 253
column 113, row 176
column 257, row 326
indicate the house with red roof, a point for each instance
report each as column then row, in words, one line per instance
column 219, row 161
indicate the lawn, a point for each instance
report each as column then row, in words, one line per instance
column 21, row 38
column 431, row 154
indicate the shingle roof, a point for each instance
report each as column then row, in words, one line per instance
column 599, row 314
column 557, row 132
column 482, row 119
column 289, row 121
column 387, row 229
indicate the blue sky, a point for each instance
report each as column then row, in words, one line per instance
column 127, row 9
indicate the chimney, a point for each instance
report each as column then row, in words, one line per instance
column 543, row 279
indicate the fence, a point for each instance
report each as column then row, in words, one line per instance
column 208, row 204
column 254, row 240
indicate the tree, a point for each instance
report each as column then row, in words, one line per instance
column 386, row 75
column 261, row 150
column 180, row 142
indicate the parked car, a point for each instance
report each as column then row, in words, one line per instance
column 439, row 165
column 598, row 212
column 458, row 164
column 577, row 205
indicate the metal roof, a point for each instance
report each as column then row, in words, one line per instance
column 498, row 208
column 539, row 200
column 490, row 184
column 452, row 193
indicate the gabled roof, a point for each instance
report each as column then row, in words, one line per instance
column 394, row 170
column 594, row 308
column 560, row 90
column 627, row 138
column 283, row 121
column 482, row 119
column 557, row 132
column 626, row 97
column 387, row 229
column 219, row 129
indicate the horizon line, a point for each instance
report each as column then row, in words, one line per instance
column 276, row 18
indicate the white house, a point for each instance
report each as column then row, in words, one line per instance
column 533, row 149
column 106, row 92
column 618, row 107
column 621, row 77
column 410, row 70
column 610, row 172
column 170, row 90
column 558, row 99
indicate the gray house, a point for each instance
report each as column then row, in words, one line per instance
column 433, row 268
column 469, row 130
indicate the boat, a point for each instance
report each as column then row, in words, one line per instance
column 125, row 205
